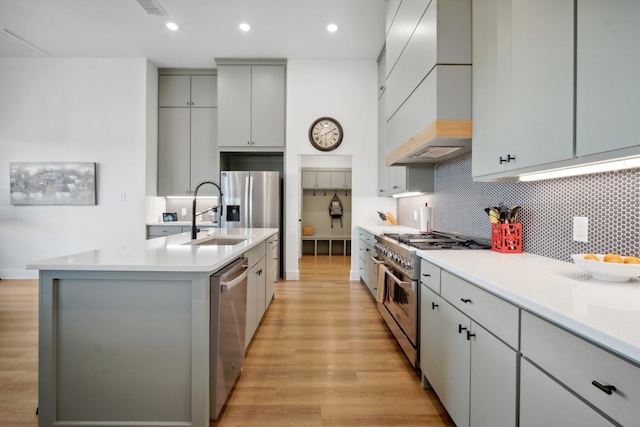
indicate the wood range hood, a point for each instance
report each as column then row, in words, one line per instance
column 441, row 140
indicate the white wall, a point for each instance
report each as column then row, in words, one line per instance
column 89, row 110
column 347, row 91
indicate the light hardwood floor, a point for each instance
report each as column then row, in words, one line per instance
column 322, row 356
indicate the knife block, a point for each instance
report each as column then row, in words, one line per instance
column 506, row 238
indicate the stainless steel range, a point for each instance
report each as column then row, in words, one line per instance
column 400, row 307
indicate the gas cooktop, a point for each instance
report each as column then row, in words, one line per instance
column 438, row 240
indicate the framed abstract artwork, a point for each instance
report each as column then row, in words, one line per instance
column 53, row 183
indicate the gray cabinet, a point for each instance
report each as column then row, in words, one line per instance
column 472, row 368
column 256, row 293
column 580, row 366
column 402, row 21
column 367, row 266
column 198, row 91
column 442, row 36
column 187, row 150
column 608, row 91
column 187, row 134
column 456, row 364
column 383, row 169
column 252, row 105
column 430, row 342
column 326, row 179
column 419, row 178
column 316, row 179
column 522, row 84
column 272, row 251
column 543, row 402
column 341, row 180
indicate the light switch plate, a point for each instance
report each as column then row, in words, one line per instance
column 581, row 229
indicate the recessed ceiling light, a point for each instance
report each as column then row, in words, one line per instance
column 332, row 28
column 172, row 26
column 244, row 26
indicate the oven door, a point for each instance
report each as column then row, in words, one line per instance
column 401, row 302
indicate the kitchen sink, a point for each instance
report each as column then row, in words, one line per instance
column 218, row 241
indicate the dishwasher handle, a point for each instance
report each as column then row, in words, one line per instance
column 235, row 275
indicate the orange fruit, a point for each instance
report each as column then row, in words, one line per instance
column 591, row 257
column 613, row 258
column 631, row 260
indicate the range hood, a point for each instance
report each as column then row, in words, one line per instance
column 439, row 141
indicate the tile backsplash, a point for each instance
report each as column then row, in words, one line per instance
column 610, row 201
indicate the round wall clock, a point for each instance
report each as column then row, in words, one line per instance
column 325, row 134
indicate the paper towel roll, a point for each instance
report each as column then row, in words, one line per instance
column 425, row 219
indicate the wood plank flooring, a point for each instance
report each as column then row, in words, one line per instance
column 322, row 356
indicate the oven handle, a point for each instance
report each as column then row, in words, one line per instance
column 398, row 281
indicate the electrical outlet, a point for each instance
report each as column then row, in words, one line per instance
column 184, row 211
column 415, row 215
column 581, row 229
column 123, row 197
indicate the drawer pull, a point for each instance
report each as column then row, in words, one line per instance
column 434, row 305
column 465, row 300
column 461, row 328
column 469, row 335
column 609, row 389
column 426, row 275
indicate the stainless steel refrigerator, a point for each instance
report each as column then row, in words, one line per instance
column 250, row 199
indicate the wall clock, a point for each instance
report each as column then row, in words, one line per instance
column 325, row 134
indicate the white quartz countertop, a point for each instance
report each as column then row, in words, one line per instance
column 604, row 312
column 183, row 224
column 378, row 230
column 175, row 253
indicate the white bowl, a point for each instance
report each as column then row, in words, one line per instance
column 608, row 271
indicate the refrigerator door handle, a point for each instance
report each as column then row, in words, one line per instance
column 250, row 204
column 245, row 202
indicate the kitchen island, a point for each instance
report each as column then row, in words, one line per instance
column 124, row 331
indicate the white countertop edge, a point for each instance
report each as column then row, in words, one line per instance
column 182, row 224
column 602, row 338
column 134, row 256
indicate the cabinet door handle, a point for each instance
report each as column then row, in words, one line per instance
column 469, row 335
column 609, row 389
column 509, row 158
column 465, row 300
column 426, row 275
column 461, row 328
column 434, row 305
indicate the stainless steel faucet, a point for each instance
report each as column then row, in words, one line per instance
column 194, row 229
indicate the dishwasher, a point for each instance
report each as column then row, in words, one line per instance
column 227, row 331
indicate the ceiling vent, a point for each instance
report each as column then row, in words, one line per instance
column 12, row 45
column 152, row 7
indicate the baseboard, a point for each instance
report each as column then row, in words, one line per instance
column 19, row 274
column 292, row 275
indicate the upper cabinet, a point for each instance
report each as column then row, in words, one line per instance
column 252, row 104
column 608, row 88
column 428, row 81
column 187, row 134
column 187, row 91
column 554, row 84
column 326, row 179
column 522, row 84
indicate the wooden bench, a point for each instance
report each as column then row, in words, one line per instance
column 326, row 245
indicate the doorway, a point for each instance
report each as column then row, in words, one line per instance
column 325, row 181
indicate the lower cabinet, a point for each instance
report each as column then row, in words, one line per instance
column 256, row 293
column 543, row 402
column 367, row 266
column 474, row 373
column 430, row 343
column 272, row 268
column 602, row 379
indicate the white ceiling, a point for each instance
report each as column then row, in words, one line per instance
column 208, row 29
